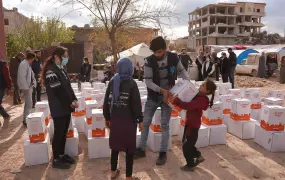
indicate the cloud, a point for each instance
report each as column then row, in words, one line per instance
column 274, row 19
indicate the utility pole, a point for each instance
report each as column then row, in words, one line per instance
column 3, row 50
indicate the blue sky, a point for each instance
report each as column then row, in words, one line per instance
column 274, row 20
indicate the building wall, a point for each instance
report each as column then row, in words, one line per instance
column 212, row 41
column 15, row 20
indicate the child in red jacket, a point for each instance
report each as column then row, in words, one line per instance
column 193, row 122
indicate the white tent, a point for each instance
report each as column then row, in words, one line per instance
column 136, row 54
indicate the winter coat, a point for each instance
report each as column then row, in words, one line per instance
column 261, row 67
column 59, row 91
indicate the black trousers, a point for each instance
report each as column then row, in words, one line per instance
column 225, row 77
column 16, row 93
column 37, row 91
column 129, row 162
column 61, row 125
column 189, row 150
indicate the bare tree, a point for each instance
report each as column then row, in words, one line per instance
column 114, row 15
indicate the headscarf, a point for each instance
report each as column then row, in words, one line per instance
column 124, row 71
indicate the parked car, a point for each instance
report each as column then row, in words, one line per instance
column 250, row 65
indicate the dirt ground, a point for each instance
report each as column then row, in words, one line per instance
column 237, row 160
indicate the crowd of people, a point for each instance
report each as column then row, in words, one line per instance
column 122, row 104
column 211, row 66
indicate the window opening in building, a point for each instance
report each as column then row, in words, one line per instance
column 6, row 22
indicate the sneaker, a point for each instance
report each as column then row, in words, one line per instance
column 68, row 159
column 139, row 153
column 186, row 168
column 200, row 159
column 161, row 159
column 60, row 164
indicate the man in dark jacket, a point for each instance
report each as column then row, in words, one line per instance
column 159, row 72
column 14, row 65
column 5, row 83
column 185, row 59
column 85, row 70
column 233, row 64
column 225, row 66
column 37, row 69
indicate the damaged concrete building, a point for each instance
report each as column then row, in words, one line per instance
column 222, row 23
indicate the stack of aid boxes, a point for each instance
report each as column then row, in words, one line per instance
column 185, row 91
column 272, row 101
column 43, row 106
column 236, row 93
column 79, row 114
column 86, row 92
column 240, row 123
column 72, row 141
column 270, row 133
column 226, row 107
column 98, row 138
column 99, row 97
column 174, row 123
column 212, row 119
column 37, row 147
column 224, row 88
column 155, row 133
column 277, row 94
column 90, row 105
column 254, row 95
column 99, row 86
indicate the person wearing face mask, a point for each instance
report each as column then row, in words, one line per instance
column 160, row 71
column 26, row 82
column 62, row 102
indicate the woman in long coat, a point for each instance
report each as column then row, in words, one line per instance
column 282, row 71
column 123, row 112
column 262, row 66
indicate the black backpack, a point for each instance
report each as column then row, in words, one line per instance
column 3, row 83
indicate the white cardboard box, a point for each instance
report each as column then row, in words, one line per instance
column 270, row 140
column 255, row 114
column 154, row 141
column 43, row 106
column 99, row 86
column 226, row 102
column 90, row 105
column 37, row 153
column 50, row 129
column 203, row 137
column 98, row 121
column 217, row 134
column 100, row 99
column 87, row 127
column 213, row 116
column 138, row 138
column 236, row 93
column 226, row 119
column 36, row 126
column 156, row 121
column 273, row 116
column 241, row 109
column 86, row 92
column 81, row 104
column 79, row 123
column 276, row 93
column 71, row 145
column 143, row 93
column 242, row 129
column 185, row 91
column 98, row 147
column 174, row 127
column 272, row 101
column 224, row 88
column 254, row 95
column 181, row 132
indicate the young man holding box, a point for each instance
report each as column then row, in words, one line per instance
column 160, row 71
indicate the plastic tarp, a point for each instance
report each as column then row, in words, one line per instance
column 137, row 54
column 241, row 54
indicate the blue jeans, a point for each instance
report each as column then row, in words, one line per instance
column 28, row 103
column 150, row 108
column 232, row 76
column 2, row 110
